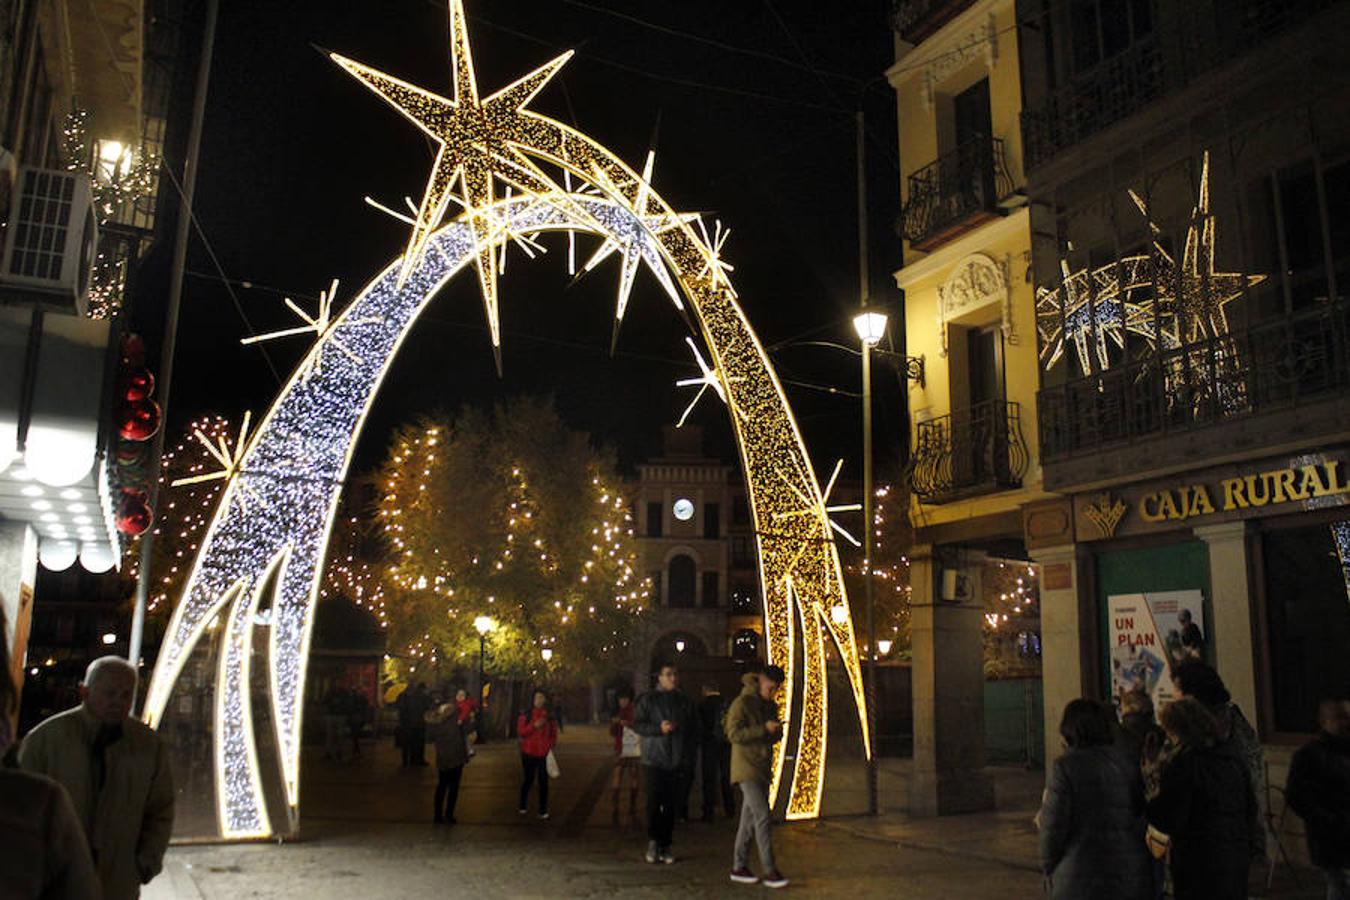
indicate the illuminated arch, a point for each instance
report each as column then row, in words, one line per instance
column 276, row 511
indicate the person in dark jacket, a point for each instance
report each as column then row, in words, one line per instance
column 1234, row 734
column 1205, row 804
column 450, row 734
column 1319, row 791
column 412, row 707
column 753, row 729
column 1092, row 817
column 538, row 732
column 668, row 723
column 1139, row 730
column 714, row 753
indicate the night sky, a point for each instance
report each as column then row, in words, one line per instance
column 761, row 137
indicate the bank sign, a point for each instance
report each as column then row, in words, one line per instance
column 1308, row 481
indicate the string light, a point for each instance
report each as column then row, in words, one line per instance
column 301, row 451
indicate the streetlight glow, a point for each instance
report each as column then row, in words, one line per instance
column 839, row 614
column 546, row 653
column 109, row 639
column 884, row 646
column 871, row 326
column 679, row 646
column 485, row 625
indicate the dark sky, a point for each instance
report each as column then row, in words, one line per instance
column 292, row 144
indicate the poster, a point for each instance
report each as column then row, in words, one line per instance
column 1150, row 634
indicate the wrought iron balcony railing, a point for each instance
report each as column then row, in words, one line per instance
column 1092, row 102
column 971, row 451
column 955, row 193
column 1275, row 365
column 915, row 20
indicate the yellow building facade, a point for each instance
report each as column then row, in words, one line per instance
column 970, row 316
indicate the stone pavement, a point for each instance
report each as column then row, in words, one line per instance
column 366, row 833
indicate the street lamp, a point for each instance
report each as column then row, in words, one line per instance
column 884, row 646
column 546, row 653
column 679, row 646
column 485, row 625
column 870, row 324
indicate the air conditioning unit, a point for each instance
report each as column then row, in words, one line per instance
column 50, row 240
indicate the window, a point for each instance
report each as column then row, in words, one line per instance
column 656, row 588
column 712, row 520
column 745, row 644
column 1101, row 29
column 682, row 575
column 742, row 552
column 1307, row 620
column 1300, row 198
column 740, row 511
column 711, row 590
column 655, row 512
column 744, row 602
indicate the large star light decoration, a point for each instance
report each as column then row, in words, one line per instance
column 1188, row 301
column 478, row 139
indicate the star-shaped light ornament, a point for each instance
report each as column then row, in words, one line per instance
column 230, row 459
column 710, row 378
column 318, row 324
column 824, row 509
column 634, row 238
column 715, row 268
column 478, row 140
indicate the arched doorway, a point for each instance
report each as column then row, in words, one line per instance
column 675, row 646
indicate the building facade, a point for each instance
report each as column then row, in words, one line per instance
column 970, row 316
column 697, row 545
column 1188, row 176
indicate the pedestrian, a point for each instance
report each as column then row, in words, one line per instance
column 538, row 734
column 668, row 724
column 43, row 852
column 335, row 703
column 1319, row 791
column 450, row 735
column 412, row 708
column 1092, row 821
column 1204, row 803
column 116, row 771
column 627, row 753
column 714, row 753
column 467, row 711
column 358, row 711
column 1139, row 729
column 1199, row 681
column 752, row 728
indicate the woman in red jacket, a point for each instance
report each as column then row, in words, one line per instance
column 538, row 734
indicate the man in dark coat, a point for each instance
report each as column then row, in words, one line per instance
column 1319, row 791
column 668, row 723
column 412, row 707
column 714, row 753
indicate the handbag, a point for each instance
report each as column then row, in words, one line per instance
column 551, row 765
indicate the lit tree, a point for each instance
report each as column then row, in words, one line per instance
column 182, row 513
column 514, row 516
column 892, row 539
column 1012, row 618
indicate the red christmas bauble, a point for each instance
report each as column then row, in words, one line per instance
column 131, row 453
column 139, row 421
column 133, row 350
column 133, row 519
column 138, row 385
column 130, row 493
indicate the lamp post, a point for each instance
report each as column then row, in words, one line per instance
column 484, row 625
column 871, row 327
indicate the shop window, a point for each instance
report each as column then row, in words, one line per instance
column 1307, row 620
column 682, row 575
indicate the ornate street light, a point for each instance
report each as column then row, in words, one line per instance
column 485, row 625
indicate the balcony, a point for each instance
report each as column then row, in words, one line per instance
column 1284, row 364
column 915, row 20
column 972, row 451
column 955, row 193
column 1092, row 102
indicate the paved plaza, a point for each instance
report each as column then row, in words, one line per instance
column 366, row 833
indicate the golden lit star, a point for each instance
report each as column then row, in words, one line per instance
column 319, row 324
column 715, row 268
column 478, row 139
column 822, row 511
column 708, row 379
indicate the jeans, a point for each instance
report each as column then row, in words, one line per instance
column 447, row 793
column 756, row 824
column 1338, row 883
column 716, row 761
column 536, row 767
column 664, row 789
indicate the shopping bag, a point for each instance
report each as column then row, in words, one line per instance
column 551, row 764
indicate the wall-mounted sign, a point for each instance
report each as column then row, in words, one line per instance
column 1311, row 480
column 1150, row 635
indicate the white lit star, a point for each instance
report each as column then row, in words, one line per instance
column 319, row 324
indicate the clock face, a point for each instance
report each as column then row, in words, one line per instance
column 683, row 509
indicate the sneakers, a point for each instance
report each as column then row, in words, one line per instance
column 653, row 852
column 543, row 815
column 744, row 876
column 774, row 879
column 667, row 857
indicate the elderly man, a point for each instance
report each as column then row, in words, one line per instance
column 116, row 771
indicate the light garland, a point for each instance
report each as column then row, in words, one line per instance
column 1184, row 304
column 301, row 451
